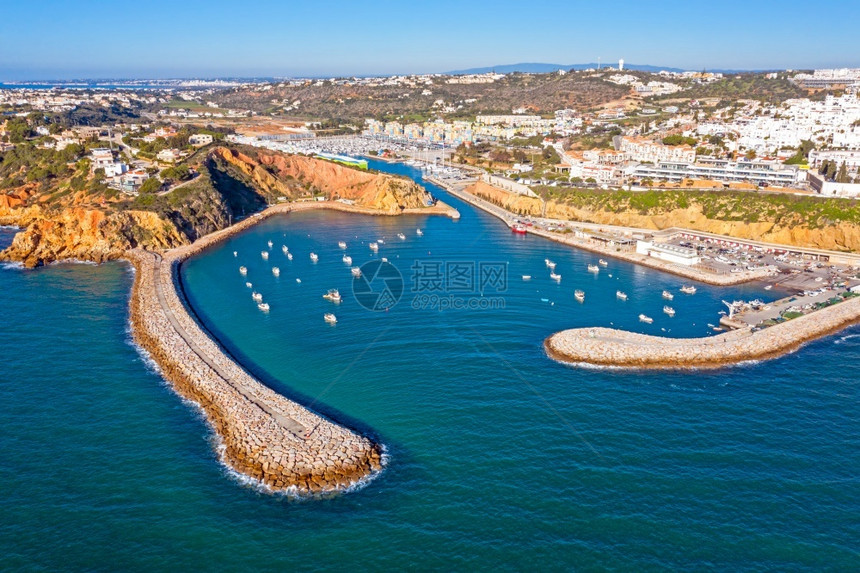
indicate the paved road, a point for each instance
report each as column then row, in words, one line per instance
column 285, row 421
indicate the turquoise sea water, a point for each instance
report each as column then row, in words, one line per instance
column 499, row 457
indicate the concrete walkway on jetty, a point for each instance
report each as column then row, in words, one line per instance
column 610, row 347
column 262, row 434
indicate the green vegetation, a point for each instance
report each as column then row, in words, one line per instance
column 28, row 163
column 742, row 86
column 781, row 209
column 680, row 140
column 802, row 155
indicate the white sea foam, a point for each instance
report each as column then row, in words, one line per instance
column 12, row 266
column 846, row 338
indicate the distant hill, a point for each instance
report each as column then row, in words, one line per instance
column 539, row 68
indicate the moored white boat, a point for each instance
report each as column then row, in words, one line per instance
column 527, row 277
column 249, row 285
column 549, row 264
column 669, row 310
column 265, row 255
column 688, row 289
column 314, row 257
column 645, row 319
column 285, row 249
column 333, row 296
column 667, row 295
column 419, row 232
column 263, row 306
column 341, row 244
column 299, row 281
column 620, row 295
column 556, row 277
column 330, row 318
column 374, row 247
column 243, row 271
column 347, row 259
column 401, row 236
column 356, row 272
column 276, row 271
column 289, row 256
column 603, row 263
column 235, row 254
column 257, row 297
column 270, row 244
column 593, row 269
column 579, row 295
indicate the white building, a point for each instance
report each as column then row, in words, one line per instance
column 669, row 253
column 200, row 139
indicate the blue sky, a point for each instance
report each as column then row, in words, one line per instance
column 54, row 39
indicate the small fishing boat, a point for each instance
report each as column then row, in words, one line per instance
column 374, row 247
column 645, row 319
column 602, row 263
column 285, row 249
column 419, row 232
column 243, row 271
column 555, row 277
column 356, row 272
column 299, row 281
column 620, row 295
column 314, row 257
column 257, row 297
column 380, row 241
column 249, row 285
column 330, row 318
column 347, row 259
column 270, row 244
column 333, row 296
column 549, row 264
column 669, row 310
column 527, row 277
column 341, row 244
column 593, row 269
column 235, row 254
column 276, row 271
column 289, row 256
column 401, row 236
column 263, row 306
column 667, row 295
column 384, row 259
column 768, row 287
column 519, row 229
column 688, row 289
column 579, row 295
column 265, row 255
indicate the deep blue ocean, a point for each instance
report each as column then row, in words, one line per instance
column 500, row 459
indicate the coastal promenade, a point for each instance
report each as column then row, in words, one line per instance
column 261, row 434
column 627, row 255
column 611, row 347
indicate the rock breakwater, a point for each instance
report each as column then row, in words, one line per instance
column 611, row 347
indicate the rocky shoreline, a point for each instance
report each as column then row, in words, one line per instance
column 619, row 348
column 263, row 435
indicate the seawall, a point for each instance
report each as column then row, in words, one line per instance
column 611, row 347
column 679, row 270
column 262, row 434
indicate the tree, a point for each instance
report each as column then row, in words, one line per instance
column 151, row 185
column 842, row 175
column 750, row 154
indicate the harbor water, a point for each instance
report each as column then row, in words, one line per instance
column 499, row 458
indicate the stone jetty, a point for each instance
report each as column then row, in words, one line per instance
column 263, row 435
column 611, row 347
